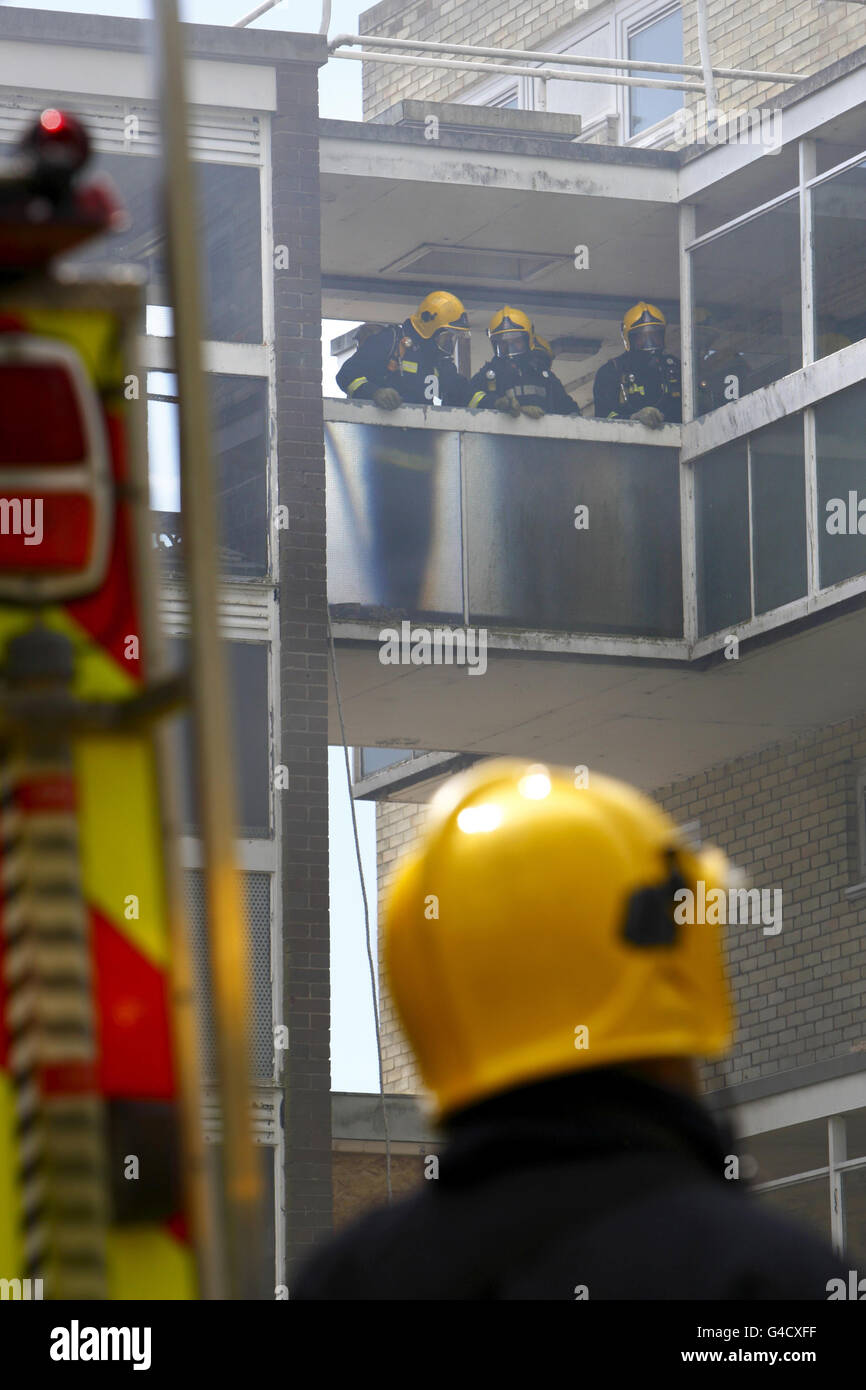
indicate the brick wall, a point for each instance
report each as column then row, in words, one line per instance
column 772, row 36
column 303, row 666
column 787, row 817
column 360, row 1183
column 768, row 35
column 503, row 23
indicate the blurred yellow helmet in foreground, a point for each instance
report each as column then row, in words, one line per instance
column 532, row 933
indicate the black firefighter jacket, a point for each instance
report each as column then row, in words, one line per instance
column 412, row 366
column 529, row 382
column 597, row 1185
column 627, row 383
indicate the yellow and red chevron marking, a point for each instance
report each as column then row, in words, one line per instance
column 121, row 840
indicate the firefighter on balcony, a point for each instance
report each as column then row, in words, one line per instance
column 517, row 379
column 644, row 383
column 411, row 363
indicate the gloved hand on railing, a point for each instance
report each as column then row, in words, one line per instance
column 386, row 398
column 508, row 405
column 534, row 412
column 650, row 416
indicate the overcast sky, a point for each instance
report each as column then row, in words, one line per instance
column 353, row 1040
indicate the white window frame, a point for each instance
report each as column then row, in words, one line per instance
column 621, row 21
column 491, row 92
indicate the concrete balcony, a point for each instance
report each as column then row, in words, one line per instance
column 648, row 604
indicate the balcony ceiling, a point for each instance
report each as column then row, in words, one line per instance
column 650, row 723
column 375, row 229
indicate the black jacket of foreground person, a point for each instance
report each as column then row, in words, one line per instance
column 597, row 1181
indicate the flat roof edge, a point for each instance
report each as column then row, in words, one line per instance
column 203, row 40
column 491, row 142
column 782, row 1082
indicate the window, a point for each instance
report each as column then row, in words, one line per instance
column 375, row 759
column 746, row 304
column 591, row 101
column 838, row 212
column 239, row 406
column 247, row 674
column 231, row 239
column 507, row 99
column 658, row 40
column 635, row 29
column 815, row 1173
column 839, row 449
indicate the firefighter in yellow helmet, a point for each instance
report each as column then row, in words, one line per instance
column 517, row 379
column 645, row 382
column 411, row 363
column 556, row 969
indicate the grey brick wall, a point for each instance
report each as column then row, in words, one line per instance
column 787, row 817
column 503, row 23
column 303, row 667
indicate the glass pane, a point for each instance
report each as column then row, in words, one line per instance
column 658, row 43
column 747, row 307
column 239, row 418
column 374, row 759
column 854, row 1198
column 839, row 214
column 247, row 673
column 807, row 1202
column 231, row 241
column 722, row 535
column 779, row 513
column 855, row 1133
column 841, row 485
column 780, row 1153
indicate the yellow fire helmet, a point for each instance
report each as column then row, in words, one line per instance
column 510, row 332
column 439, row 310
column 532, row 933
column 644, row 322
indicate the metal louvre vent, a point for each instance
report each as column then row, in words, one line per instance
column 237, row 615
column 131, row 127
column 257, row 895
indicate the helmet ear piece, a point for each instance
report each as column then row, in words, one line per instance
column 650, row 914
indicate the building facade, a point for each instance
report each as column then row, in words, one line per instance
column 780, row 788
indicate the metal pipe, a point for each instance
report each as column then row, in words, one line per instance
column 712, row 96
column 576, row 59
column 325, row 21
column 254, row 14
column 214, row 772
column 536, row 73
